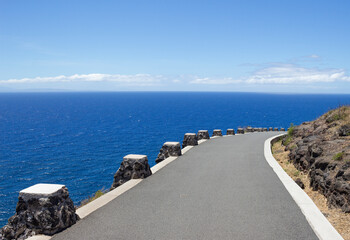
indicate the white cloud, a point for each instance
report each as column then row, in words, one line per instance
column 279, row 74
column 314, row 56
column 137, row 79
column 218, row 81
column 283, row 74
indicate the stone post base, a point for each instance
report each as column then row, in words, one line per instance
column 275, row 129
column 230, row 132
column 203, row 134
column 248, row 129
column 169, row 149
column 217, row 133
column 190, row 139
column 41, row 209
column 282, row 129
column 240, row 131
column 133, row 166
column 270, row 129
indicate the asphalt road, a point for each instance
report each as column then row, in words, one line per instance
column 221, row 189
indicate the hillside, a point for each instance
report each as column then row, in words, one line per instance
column 321, row 149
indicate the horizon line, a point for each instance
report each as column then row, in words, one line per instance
column 164, row 91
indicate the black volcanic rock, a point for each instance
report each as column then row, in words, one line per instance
column 168, row 149
column 203, row 134
column 217, row 133
column 190, row 139
column 132, row 167
column 321, row 148
column 300, row 183
column 240, row 131
column 248, row 129
column 344, row 130
column 40, row 214
column 230, row 132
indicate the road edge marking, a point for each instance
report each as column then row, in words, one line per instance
column 318, row 222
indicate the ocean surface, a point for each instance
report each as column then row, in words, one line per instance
column 79, row 139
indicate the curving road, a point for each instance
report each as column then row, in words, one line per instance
column 221, row 189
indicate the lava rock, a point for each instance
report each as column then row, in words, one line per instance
column 203, row 134
column 346, row 175
column 217, row 133
column 314, row 147
column 315, row 150
column 169, row 149
column 344, row 130
column 240, row 131
column 40, row 212
column 230, row 132
column 190, row 139
column 300, row 183
column 248, row 129
column 133, row 166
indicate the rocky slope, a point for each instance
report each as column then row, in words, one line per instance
column 321, row 148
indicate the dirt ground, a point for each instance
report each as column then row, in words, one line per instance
column 339, row 219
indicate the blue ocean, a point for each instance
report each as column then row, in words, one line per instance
column 79, row 139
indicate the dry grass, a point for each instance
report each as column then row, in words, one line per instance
column 339, row 219
column 97, row 194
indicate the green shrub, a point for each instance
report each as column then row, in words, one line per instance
column 337, row 114
column 289, row 137
column 97, row 194
column 287, row 140
column 339, row 156
column 291, row 130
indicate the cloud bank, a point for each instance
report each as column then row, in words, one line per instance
column 137, row 79
column 279, row 74
column 283, row 74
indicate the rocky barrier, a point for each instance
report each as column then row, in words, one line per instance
column 190, row 139
column 230, row 131
column 217, row 133
column 240, row 131
column 321, row 148
column 133, row 166
column 169, row 149
column 41, row 209
column 47, row 208
column 203, row 134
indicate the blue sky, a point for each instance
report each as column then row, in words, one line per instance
column 251, row 46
